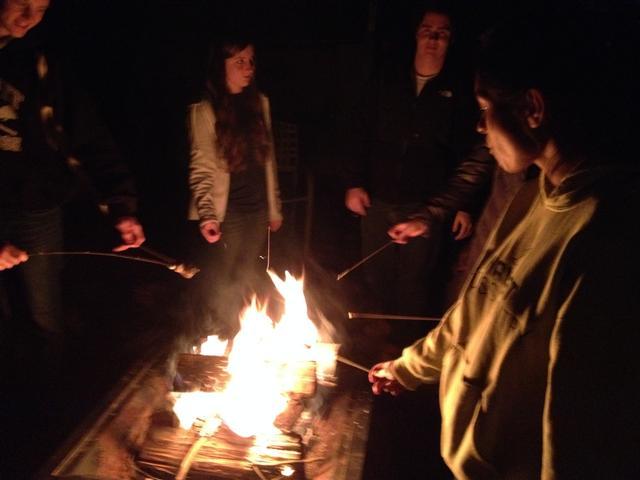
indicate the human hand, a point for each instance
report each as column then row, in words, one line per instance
column 383, row 380
column 462, row 225
column 274, row 225
column 10, row 256
column 402, row 232
column 211, row 231
column 357, row 200
column 131, row 233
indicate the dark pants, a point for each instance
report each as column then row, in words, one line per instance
column 32, row 290
column 31, row 329
column 398, row 278
column 234, row 270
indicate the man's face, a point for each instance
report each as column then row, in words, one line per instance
column 239, row 70
column 504, row 136
column 433, row 36
column 17, row 17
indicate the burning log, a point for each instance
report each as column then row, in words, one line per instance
column 130, row 437
column 205, row 373
column 270, row 407
column 223, row 455
column 287, row 419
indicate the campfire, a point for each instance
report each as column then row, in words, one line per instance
column 269, row 403
column 248, row 404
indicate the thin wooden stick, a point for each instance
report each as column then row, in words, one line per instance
column 161, row 256
column 268, row 247
column 355, row 365
column 372, row 254
column 258, row 472
column 384, row 316
column 101, row 254
column 186, row 271
column 185, row 465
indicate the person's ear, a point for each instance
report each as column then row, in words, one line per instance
column 535, row 107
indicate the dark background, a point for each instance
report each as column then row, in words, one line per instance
column 142, row 62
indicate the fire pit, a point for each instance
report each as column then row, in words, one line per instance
column 258, row 409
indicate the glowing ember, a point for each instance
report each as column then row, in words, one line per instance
column 287, row 471
column 213, row 346
column 264, row 366
column 190, row 406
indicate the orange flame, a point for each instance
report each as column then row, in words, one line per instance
column 262, row 365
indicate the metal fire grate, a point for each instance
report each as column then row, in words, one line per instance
column 135, row 437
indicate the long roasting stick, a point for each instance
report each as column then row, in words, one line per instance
column 372, row 254
column 355, row 365
column 184, row 270
column 268, row 247
column 383, row 316
column 101, row 254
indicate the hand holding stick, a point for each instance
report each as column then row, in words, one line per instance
column 380, row 376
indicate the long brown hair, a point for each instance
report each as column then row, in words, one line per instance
column 241, row 131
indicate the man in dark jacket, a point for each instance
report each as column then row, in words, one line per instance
column 413, row 149
column 48, row 129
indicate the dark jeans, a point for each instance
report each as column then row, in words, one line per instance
column 32, row 290
column 398, row 278
column 235, row 270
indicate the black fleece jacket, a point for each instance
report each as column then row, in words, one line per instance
column 408, row 149
column 51, row 137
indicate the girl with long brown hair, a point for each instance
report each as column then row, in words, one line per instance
column 232, row 176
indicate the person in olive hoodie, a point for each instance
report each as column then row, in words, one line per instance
column 537, row 360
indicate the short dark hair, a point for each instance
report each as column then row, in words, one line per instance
column 443, row 7
column 582, row 62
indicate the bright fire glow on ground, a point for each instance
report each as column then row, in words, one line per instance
column 263, row 366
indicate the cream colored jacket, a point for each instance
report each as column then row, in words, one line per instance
column 209, row 177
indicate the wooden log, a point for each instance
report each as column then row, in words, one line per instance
column 287, row 420
column 300, row 378
column 205, row 373
column 223, row 455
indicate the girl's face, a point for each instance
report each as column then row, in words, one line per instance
column 506, row 136
column 240, row 69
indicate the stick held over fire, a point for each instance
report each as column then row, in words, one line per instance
column 355, row 365
column 183, row 269
column 386, row 316
column 356, row 265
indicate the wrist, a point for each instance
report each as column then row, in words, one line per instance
column 204, row 223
